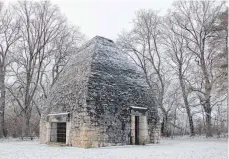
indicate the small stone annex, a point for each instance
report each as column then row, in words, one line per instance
column 100, row 99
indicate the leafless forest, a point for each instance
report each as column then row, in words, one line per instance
column 183, row 54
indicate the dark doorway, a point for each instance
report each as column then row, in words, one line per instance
column 137, row 130
column 61, row 132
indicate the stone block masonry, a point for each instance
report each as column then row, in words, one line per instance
column 103, row 92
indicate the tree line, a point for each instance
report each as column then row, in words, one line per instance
column 184, row 56
column 36, row 41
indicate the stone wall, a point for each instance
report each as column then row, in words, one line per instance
column 43, row 131
column 155, row 134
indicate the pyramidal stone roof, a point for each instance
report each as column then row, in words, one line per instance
column 101, row 59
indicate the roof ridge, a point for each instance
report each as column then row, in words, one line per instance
column 102, row 38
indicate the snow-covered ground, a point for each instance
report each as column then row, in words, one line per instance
column 167, row 149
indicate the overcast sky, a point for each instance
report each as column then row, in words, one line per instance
column 106, row 17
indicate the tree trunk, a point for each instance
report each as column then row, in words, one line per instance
column 191, row 126
column 207, row 95
column 2, row 114
column 25, row 127
column 2, row 102
column 208, row 119
column 185, row 98
column 164, row 126
column 208, row 126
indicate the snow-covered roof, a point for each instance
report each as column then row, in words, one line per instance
column 58, row 114
column 138, row 107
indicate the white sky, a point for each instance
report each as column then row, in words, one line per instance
column 105, row 17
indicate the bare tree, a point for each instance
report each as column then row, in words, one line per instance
column 41, row 23
column 143, row 43
column 9, row 34
column 196, row 18
column 174, row 41
column 64, row 46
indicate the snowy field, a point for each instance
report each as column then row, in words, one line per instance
column 167, row 149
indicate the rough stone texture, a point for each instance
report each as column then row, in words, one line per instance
column 43, row 133
column 98, row 86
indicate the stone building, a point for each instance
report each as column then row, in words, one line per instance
column 100, row 99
